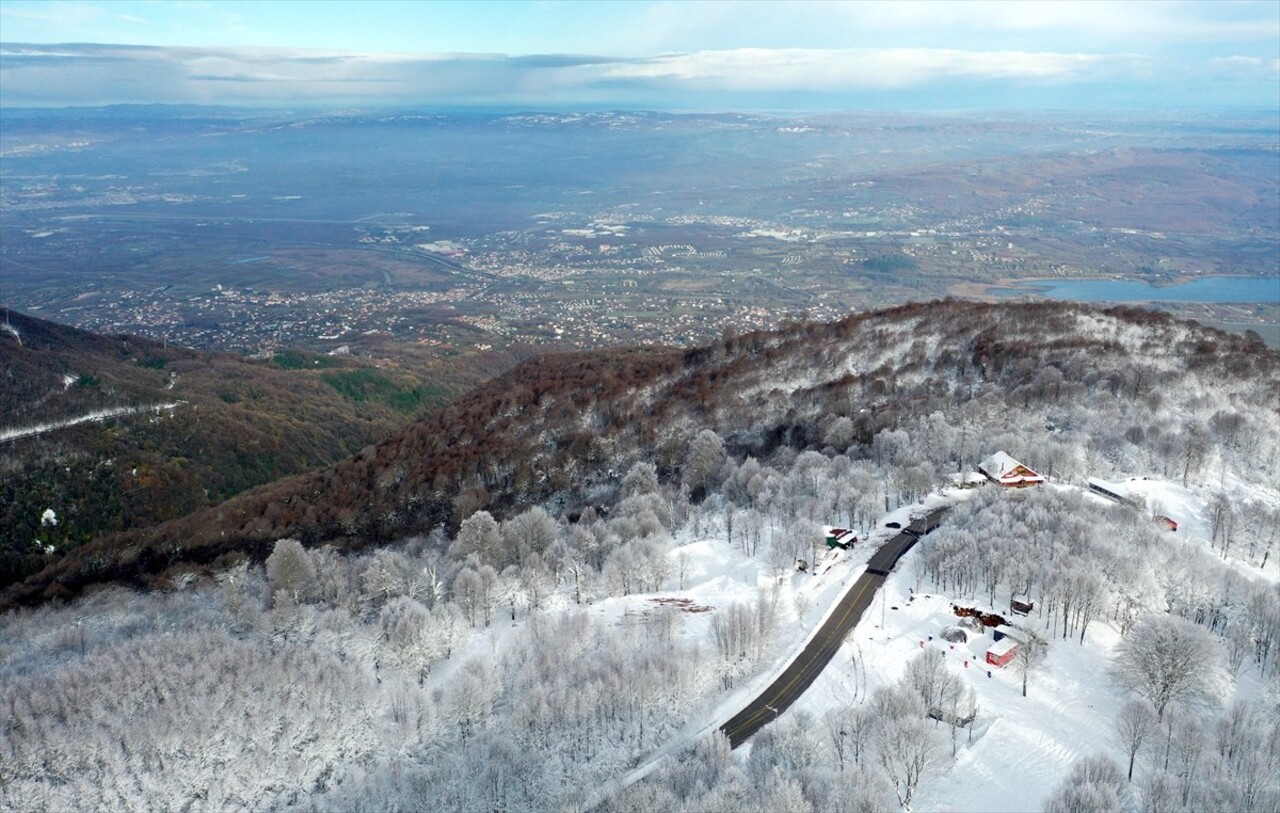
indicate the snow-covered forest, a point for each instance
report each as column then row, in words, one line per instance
column 532, row 660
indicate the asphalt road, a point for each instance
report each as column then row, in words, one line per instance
column 804, row 670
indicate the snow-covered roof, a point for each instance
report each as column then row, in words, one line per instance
column 1001, row 465
column 1011, row 632
column 1002, row 647
column 998, row 465
column 1119, row 489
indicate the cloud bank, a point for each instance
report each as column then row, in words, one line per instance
column 92, row 74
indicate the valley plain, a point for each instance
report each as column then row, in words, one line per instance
column 251, row 231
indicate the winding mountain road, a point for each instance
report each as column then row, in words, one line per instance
column 804, row 670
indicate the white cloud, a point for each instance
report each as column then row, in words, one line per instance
column 811, row 69
column 71, row 74
column 1238, row 61
column 988, row 25
column 1246, row 67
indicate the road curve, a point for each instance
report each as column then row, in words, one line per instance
column 804, row 670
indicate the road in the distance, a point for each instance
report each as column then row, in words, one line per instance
column 804, row 670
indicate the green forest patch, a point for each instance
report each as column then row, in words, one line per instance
column 371, row 385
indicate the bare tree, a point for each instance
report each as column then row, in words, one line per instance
column 907, row 750
column 1167, row 659
column 1135, row 723
column 1032, row 651
column 466, row 591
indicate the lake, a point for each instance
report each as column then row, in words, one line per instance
column 1204, row 289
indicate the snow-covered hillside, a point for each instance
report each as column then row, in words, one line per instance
column 443, row 679
column 529, row 661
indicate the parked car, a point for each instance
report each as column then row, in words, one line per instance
column 893, row 525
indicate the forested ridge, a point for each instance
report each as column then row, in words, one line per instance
column 229, row 423
column 559, row 430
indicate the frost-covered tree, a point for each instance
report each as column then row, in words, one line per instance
column 469, row 698
column 640, row 479
column 479, row 535
column 290, row 568
column 529, row 532
column 1167, row 659
column 927, row 675
column 907, row 748
column 1093, row 784
column 406, row 628
column 389, row 573
column 703, row 462
column 467, row 590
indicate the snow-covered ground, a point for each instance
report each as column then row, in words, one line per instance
column 1022, row 746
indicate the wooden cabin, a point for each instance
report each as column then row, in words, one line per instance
column 1004, row 470
column 1021, row 607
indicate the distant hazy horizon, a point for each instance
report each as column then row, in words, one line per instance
column 655, row 55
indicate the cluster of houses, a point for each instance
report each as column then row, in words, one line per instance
column 1004, row 470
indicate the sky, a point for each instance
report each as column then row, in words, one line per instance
column 687, row 54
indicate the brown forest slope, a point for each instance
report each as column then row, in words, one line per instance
column 560, row 430
column 238, row 423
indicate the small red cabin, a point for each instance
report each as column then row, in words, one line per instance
column 1165, row 522
column 1002, row 651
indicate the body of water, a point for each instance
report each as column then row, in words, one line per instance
column 1204, row 289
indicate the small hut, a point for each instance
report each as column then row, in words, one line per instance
column 1002, row 651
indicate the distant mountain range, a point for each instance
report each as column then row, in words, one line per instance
column 560, row 430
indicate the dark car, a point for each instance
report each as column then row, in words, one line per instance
column 893, row 525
